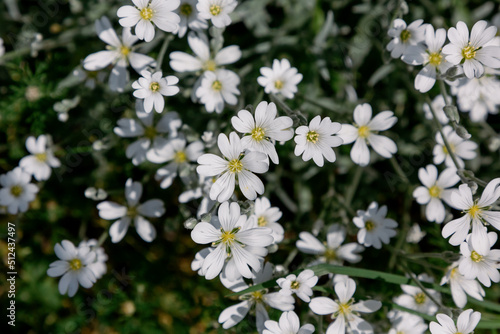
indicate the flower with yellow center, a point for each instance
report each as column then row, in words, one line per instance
column 235, row 166
column 186, row 9
column 209, row 65
column 180, row 157
column 435, row 191
column 16, row 190
column 42, row 157
column 262, row 221
column 312, row 137
column 217, row 86
column 215, row 10
column 435, row 58
column 75, row 264
column 258, row 134
column 405, row 35
column 420, row 298
column 150, row 132
column 154, row 86
column 146, row 13
column 469, row 52
column 475, row 256
column 363, row 131
column 370, row 225
column 278, row 84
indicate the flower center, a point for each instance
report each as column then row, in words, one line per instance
column 41, row 156
column 468, row 52
column 474, row 211
column 452, row 147
column 330, row 254
column 16, row 190
column 405, row 35
column 435, row 58
column 124, row 50
column 363, row 131
column 262, row 221
column 180, row 157
column 435, row 191
column 294, row 285
column 258, row 134
column 132, row 212
column 150, row 132
column 312, row 136
column 278, row 84
column 227, row 237
column 257, row 296
column 75, row 264
column 476, row 257
column 217, row 85
column 215, row 10
column 453, row 272
column 186, row 9
column 210, row 65
column 235, row 166
column 369, row 225
column 154, row 86
column 146, row 13
column 420, row 298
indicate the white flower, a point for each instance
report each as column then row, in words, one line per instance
column 461, row 287
column 476, row 212
column 179, row 156
column 316, row 140
column 152, row 88
column 363, row 132
column 119, row 53
column 73, row 267
column 431, row 58
column 415, row 234
column 233, row 240
column 406, row 323
column 17, row 191
column 343, row 310
column 403, row 36
column 463, row 149
column 266, row 216
column 260, row 299
column 289, row 323
column 467, row 321
column 238, row 165
column 333, row 251
column 91, row 78
column 300, row 285
column 190, row 17
column 438, row 104
column 282, row 78
column 217, row 10
column 414, row 298
column 375, row 229
column 218, row 87
column 41, row 160
column 147, row 14
column 264, row 129
column 98, row 267
column 133, row 211
column 199, row 189
column 480, row 263
column 150, row 137
column 435, row 190
column 183, row 62
column 472, row 53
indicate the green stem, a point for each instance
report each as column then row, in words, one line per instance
column 398, row 169
column 353, row 186
column 163, row 50
column 296, row 115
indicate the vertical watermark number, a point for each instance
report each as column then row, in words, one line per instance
column 11, row 273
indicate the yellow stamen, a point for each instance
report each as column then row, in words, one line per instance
column 215, row 10
column 295, row 285
column 474, row 211
column 150, row 132
column 227, row 237
column 370, row 225
column 435, row 191
column 435, row 58
column 124, row 50
column 469, row 52
column 262, row 221
column 235, row 166
column 258, row 134
column 16, row 190
column 363, row 131
column 330, row 254
column 405, row 35
column 41, row 156
column 186, row 9
column 209, row 65
column 180, row 157
column 312, row 136
column 217, row 85
column 278, row 84
column 476, row 257
column 420, row 298
column 75, row 264
column 146, row 13
column 154, row 86
column 132, row 212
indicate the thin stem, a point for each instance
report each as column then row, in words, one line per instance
column 398, row 169
column 163, row 50
column 402, row 237
column 316, row 103
column 444, row 92
column 296, row 115
column 102, row 238
column 353, row 186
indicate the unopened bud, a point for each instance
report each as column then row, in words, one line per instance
column 452, row 113
column 462, row 132
column 206, row 217
column 190, row 223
